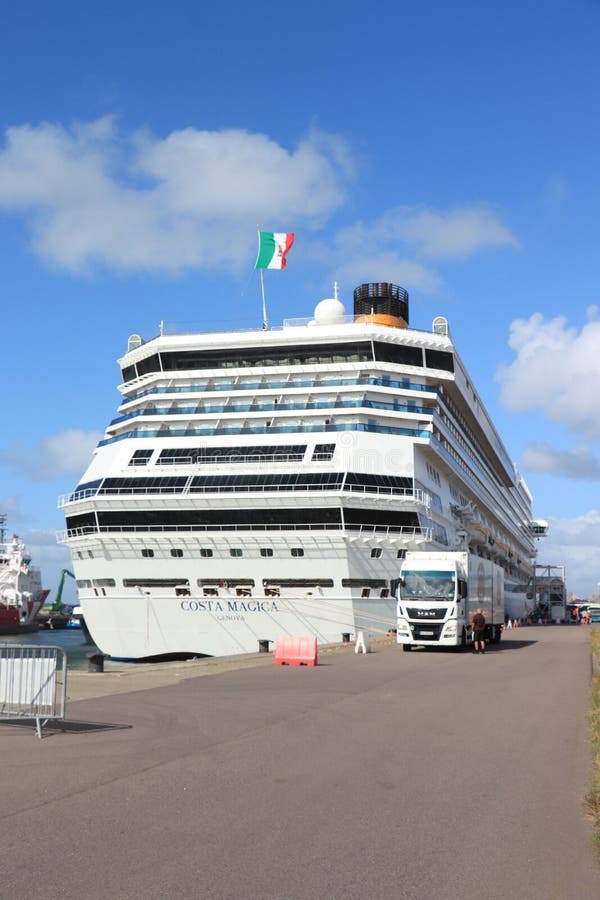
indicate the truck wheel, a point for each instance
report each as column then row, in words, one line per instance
column 407, row 647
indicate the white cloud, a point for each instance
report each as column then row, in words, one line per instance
column 574, row 543
column 449, row 234
column 577, row 464
column 191, row 199
column 66, row 453
column 12, row 507
column 361, row 267
column 556, row 370
column 390, row 247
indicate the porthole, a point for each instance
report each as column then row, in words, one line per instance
column 297, row 551
column 177, row 552
column 235, row 551
column 147, row 552
column 266, row 551
column 205, row 551
column 376, row 553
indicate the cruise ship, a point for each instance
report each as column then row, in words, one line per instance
column 261, row 483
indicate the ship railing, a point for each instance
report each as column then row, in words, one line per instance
column 169, row 432
column 172, row 328
column 325, row 383
column 64, row 499
column 238, row 458
column 33, row 683
column 307, row 406
column 405, row 532
column 417, row 496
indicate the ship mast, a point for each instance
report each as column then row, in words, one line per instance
column 2, row 527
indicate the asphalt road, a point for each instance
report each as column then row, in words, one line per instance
column 391, row 775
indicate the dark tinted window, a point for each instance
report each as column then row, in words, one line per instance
column 297, row 582
column 264, row 356
column 438, row 359
column 150, row 364
column 398, row 353
column 207, row 455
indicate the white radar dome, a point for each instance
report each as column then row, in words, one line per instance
column 330, row 312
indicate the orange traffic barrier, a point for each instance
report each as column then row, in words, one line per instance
column 296, row 651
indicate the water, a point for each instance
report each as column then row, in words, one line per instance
column 72, row 641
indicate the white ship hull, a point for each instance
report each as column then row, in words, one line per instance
column 168, row 626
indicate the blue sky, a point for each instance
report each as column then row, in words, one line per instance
column 452, row 149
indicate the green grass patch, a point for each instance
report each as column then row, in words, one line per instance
column 592, row 799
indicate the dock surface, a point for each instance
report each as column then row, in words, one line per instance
column 388, row 775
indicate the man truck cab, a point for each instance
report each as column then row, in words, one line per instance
column 439, row 593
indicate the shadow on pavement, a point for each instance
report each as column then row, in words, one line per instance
column 510, row 645
column 55, row 726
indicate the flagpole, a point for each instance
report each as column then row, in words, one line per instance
column 262, row 287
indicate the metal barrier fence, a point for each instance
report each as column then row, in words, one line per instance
column 33, row 683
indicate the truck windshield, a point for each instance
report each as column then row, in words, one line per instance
column 428, row 585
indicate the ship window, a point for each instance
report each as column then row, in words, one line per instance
column 376, row 553
column 147, row 552
column 323, row 452
column 210, row 592
column 83, row 583
column 207, row 455
column 266, row 551
column 141, row 458
column 205, row 551
column 177, row 552
column 438, row 359
column 226, row 582
column 155, row 582
column 401, row 554
column 247, row 357
column 364, row 582
column 271, row 592
column 297, row 551
column 243, row 592
column 90, row 554
column 299, row 582
column 235, row 551
column 149, row 364
column 128, row 373
column 366, row 592
column 400, row 354
column 385, row 592
column 274, row 518
column 104, row 582
column 182, row 592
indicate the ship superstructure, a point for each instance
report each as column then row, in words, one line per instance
column 267, row 482
column 21, row 593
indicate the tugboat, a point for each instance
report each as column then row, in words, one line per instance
column 21, row 593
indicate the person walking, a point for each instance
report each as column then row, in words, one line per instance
column 478, row 626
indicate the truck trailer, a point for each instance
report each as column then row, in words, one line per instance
column 439, row 593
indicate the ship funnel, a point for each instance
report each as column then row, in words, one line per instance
column 381, row 303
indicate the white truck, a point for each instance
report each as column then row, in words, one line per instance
column 438, row 594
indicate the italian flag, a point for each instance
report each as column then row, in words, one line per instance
column 273, row 247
